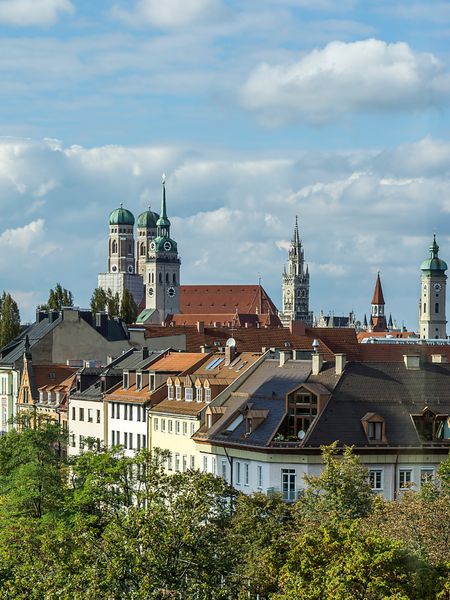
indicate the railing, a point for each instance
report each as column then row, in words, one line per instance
column 287, row 495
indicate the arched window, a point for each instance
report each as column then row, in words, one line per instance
column 436, row 307
column 153, row 278
column 130, row 248
column 174, row 279
column 114, row 247
column 167, row 277
column 160, row 277
column 142, row 249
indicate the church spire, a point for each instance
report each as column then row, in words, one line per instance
column 378, row 316
column 163, row 223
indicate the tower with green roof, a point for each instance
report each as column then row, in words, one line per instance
column 121, row 272
column 146, row 232
column 432, row 320
column 162, row 277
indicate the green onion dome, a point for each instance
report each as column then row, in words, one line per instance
column 434, row 263
column 147, row 219
column 121, row 216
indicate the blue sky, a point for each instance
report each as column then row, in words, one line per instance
column 257, row 110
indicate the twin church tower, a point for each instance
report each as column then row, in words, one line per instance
column 150, row 265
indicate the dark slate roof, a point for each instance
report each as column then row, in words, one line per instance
column 387, row 389
column 265, row 389
column 14, row 351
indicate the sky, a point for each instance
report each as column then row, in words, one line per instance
column 257, row 111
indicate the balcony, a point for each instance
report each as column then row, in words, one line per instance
column 287, row 495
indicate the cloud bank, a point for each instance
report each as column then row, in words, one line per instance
column 28, row 13
column 369, row 76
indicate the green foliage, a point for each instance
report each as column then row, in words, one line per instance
column 9, row 319
column 340, row 491
column 57, row 298
column 113, row 304
column 128, row 307
column 99, row 300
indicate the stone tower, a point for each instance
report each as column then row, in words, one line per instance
column 378, row 316
column 162, row 276
column 295, row 285
column 121, row 258
column 432, row 321
column 146, row 232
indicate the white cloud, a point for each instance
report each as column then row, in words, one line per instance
column 27, row 13
column 26, row 241
column 359, row 77
column 172, row 13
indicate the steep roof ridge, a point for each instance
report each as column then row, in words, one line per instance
column 378, row 292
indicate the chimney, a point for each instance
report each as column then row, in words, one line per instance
column 317, row 362
column 297, row 327
column 53, row 315
column 203, row 349
column 438, row 358
column 340, row 362
column 285, row 355
column 144, row 352
column 412, row 361
column 230, row 353
column 41, row 315
column 201, row 327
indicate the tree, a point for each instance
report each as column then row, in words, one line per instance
column 57, row 298
column 113, row 304
column 341, row 490
column 99, row 300
column 9, row 319
column 128, row 307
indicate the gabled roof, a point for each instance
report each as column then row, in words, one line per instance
column 246, row 299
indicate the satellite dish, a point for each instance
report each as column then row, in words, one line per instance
column 231, row 343
column 301, row 434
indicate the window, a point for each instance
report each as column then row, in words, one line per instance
column 98, row 416
column 424, row 307
column 125, row 440
column 302, row 410
column 188, row 394
column 163, row 425
column 375, row 431
column 73, row 413
column 404, row 479
column 376, row 479
column 144, row 441
column 185, row 428
column 192, row 428
column 246, row 473
column 169, row 461
column 177, row 462
column 288, row 484
column 259, row 477
column 130, row 441
column 184, row 463
column 138, row 441
column 138, row 381
column 72, row 440
column 124, row 411
column 426, row 476
column 170, row 392
column 192, row 462
column 436, row 307
column 178, row 394
column 138, row 413
column 199, row 394
column 81, row 442
column 125, row 380
column 207, row 394
column 113, row 410
column 118, row 438
column 224, row 468
column 170, row 424
column 205, row 464
column 113, row 438
column 130, row 412
column 81, row 414
column 155, row 424
column 238, row 473
column 177, row 427
column 90, row 415
column 174, row 279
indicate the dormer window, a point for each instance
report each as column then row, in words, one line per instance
column 374, row 428
column 138, row 381
column 125, row 381
column 178, row 392
column 208, row 394
column 432, row 426
column 188, row 394
column 199, row 394
column 170, row 392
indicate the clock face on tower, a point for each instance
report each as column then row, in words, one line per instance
column 152, row 245
column 167, row 246
column 130, row 268
column 150, row 291
column 171, row 292
column 437, row 287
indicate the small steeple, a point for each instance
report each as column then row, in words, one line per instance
column 378, row 298
column 296, row 238
column 434, row 248
column 365, row 322
column 163, row 222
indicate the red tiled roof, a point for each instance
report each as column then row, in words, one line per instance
column 394, row 352
column 219, row 299
column 226, row 319
column 51, row 375
column 177, row 361
column 378, row 292
column 362, row 335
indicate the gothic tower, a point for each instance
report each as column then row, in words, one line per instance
column 295, row 285
column 432, row 319
column 378, row 316
column 162, row 276
column 121, row 241
column 146, row 232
